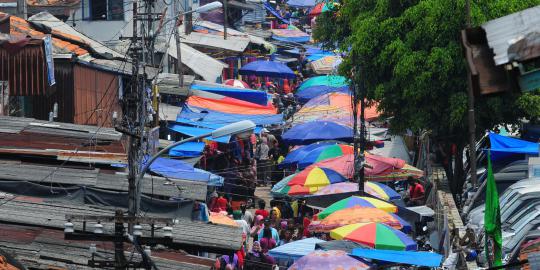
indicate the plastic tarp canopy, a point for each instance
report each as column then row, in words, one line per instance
column 174, row 168
column 295, row 250
column 503, row 147
column 197, row 131
column 301, row 3
column 418, row 258
column 249, row 95
column 189, row 149
column 275, row 12
column 214, row 119
column 231, row 105
column 290, row 35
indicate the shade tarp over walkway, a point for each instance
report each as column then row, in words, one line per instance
column 249, row 95
column 418, row 258
column 502, row 147
column 174, row 168
column 230, row 105
column 295, row 250
column 214, row 119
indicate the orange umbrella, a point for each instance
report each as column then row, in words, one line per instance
column 218, row 218
column 354, row 215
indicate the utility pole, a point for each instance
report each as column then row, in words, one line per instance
column 225, row 18
column 471, row 113
column 179, row 67
column 358, row 139
column 131, row 112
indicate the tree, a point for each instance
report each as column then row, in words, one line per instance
column 411, row 61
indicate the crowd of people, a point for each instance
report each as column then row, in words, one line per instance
column 263, row 230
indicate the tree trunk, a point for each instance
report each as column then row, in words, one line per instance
column 459, row 174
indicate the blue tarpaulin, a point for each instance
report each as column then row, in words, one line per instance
column 249, row 95
column 189, row 149
column 418, row 258
column 196, row 131
column 318, row 90
column 275, row 12
column 178, row 169
column 210, row 117
column 503, row 147
column 295, row 250
column 301, row 3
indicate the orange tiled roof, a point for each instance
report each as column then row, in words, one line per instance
column 19, row 26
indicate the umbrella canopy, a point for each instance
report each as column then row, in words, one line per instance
column 381, row 168
column 319, row 8
column 324, row 153
column 301, row 3
column 282, row 188
column 308, row 93
column 356, row 214
column 236, row 83
column 316, row 177
column 378, row 190
column 334, row 107
column 330, row 80
column 299, row 153
column 374, row 235
column 357, row 201
column 326, row 65
column 297, row 190
column 328, row 260
column 219, row 218
column 317, row 131
column 267, row 68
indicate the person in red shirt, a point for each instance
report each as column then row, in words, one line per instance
column 220, row 204
column 416, row 192
column 261, row 211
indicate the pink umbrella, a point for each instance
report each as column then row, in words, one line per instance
column 236, row 83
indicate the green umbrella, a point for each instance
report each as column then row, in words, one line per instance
column 281, row 188
column 330, row 80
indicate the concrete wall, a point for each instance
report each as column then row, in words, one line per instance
column 103, row 31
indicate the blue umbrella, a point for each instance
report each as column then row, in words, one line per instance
column 295, row 156
column 308, row 93
column 315, row 131
column 267, row 68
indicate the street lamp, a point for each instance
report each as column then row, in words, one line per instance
column 242, row 128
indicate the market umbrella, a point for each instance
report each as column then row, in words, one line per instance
column 328, row 260
column 267, row 68
column 236, row 83
column 357, row 214
column 380, row 168
column 316, row 177
column 298, row 190
column 344, row 245
column 326, row 65
column 378, row 190
column 310, row 132
column 220, row 218
column 319, row 8
column 329, row 80
column 324, row 153
column 334, row 107
column 308, row 93
column 281, row 189
column 374, row 235
column 299, row 153
column 357, row 201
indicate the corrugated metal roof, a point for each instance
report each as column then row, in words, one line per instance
column 232, row 43
column 504, row 31
column 202, row 64
column 62, row 28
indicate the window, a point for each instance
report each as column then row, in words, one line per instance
column 103, row 10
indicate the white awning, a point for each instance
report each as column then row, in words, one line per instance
column 205, row 66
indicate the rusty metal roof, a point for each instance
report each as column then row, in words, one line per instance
column 53, row 3
column 41, row 248
column 503, row 32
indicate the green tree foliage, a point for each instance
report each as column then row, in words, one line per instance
column 411, row 62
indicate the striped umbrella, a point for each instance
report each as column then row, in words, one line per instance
column 356, row 214
column 357, row 201
column 374, row 235
column 236, row 83
column 378, row 190
column 316, row 177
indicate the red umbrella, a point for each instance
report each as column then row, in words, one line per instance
column 236, row 83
